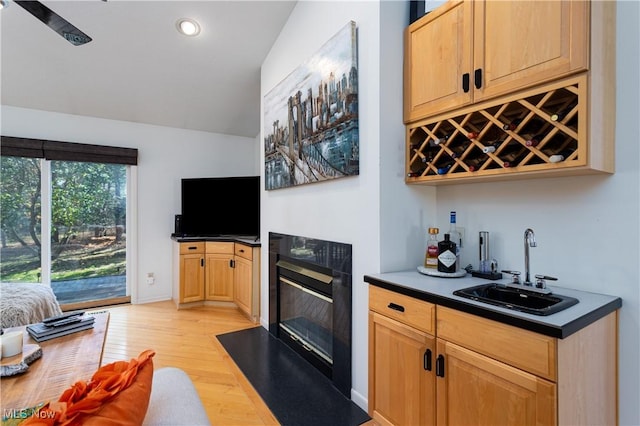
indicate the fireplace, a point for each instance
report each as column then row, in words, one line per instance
column 310, row 302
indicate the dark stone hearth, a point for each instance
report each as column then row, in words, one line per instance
column 295, row 392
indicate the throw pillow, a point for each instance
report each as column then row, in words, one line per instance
column 118, row 394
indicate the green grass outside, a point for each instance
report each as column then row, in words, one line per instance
column 100, row 257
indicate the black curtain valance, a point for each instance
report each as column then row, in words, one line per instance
column 66, row 151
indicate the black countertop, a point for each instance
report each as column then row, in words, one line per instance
column 249, row 240
column 591, row 306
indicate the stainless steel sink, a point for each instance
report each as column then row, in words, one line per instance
column 519, row 299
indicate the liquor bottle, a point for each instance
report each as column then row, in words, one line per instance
column 455, row 237
column 431, row 255
column 417, row 173
column 475, row 163
column 535, row 140
column 560, row 156
column 515, row 158
column 447, row 260
column 443, row 170
column 492, row 146
column 512, row 125
column 423, row 157
column 512, row 154
column 440, row 140
column 459, row 146
column 444, row 164
column 416, row 169
column 472, row 135
column 562, row 113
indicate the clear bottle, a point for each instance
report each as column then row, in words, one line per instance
column 455, row 237
column 431, row 255
column 447, row 255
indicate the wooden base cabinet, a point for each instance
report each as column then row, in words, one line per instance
column 402, row 384
column 401, row 359
column 221, row 273
column 246, row 280
column 464, row 369
column 475, row 389
column 191, row 275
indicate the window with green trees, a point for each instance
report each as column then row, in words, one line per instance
column 84, row 205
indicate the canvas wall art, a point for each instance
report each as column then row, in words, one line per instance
column 311, row 117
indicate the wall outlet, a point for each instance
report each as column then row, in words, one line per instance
column 151, row 279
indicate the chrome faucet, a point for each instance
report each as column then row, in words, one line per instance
column 529, row 241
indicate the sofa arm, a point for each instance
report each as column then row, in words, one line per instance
column 174, row 400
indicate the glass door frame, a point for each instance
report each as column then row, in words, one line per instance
column 131, row 226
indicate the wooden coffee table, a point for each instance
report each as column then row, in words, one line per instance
column 64, row 361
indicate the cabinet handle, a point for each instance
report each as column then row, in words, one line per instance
column 477, row 78
column 465, row 82
column 232, row 263
column 395, row 307
column 201, row 262
column 241, row 250
column 440, row 366
column 426, row 361
column 192, row 248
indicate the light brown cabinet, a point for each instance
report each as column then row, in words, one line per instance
column 402, row 347
column 465, row 369
column 246, row 279
column 191, row 275
column 486, row 100
column 471, row 50
column 220, row 273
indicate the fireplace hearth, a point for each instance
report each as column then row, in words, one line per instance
column 310, row 302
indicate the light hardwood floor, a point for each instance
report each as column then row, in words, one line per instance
column 186, row 339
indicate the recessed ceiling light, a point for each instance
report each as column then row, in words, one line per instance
column 188, row 27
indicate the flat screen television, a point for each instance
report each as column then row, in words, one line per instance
column 221, row 206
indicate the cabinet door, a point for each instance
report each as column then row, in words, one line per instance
column 438, row 57
column 475, row 389
column 191, row 278
column 519, row 44
column 243, row 278
column 219, row 279
column 401, row 373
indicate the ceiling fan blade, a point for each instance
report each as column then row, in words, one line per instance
column 54, row 21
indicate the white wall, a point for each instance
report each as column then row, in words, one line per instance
column 165, row 155
column 351, row 209
column 344, row 210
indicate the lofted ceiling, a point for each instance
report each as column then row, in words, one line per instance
column 138, row 68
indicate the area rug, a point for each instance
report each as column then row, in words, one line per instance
column 296, row 393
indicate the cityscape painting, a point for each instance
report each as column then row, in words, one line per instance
column 311, row 117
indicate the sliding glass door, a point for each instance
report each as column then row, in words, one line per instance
column 88, row 231
column 82, row 206
column 20, row 215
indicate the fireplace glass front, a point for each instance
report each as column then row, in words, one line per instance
column 307, row 316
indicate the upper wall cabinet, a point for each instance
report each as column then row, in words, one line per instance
column 503, row 90
column 467, row 51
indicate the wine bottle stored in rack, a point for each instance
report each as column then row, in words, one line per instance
column 541, row 127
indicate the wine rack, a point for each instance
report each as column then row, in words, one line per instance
column 531, row 132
